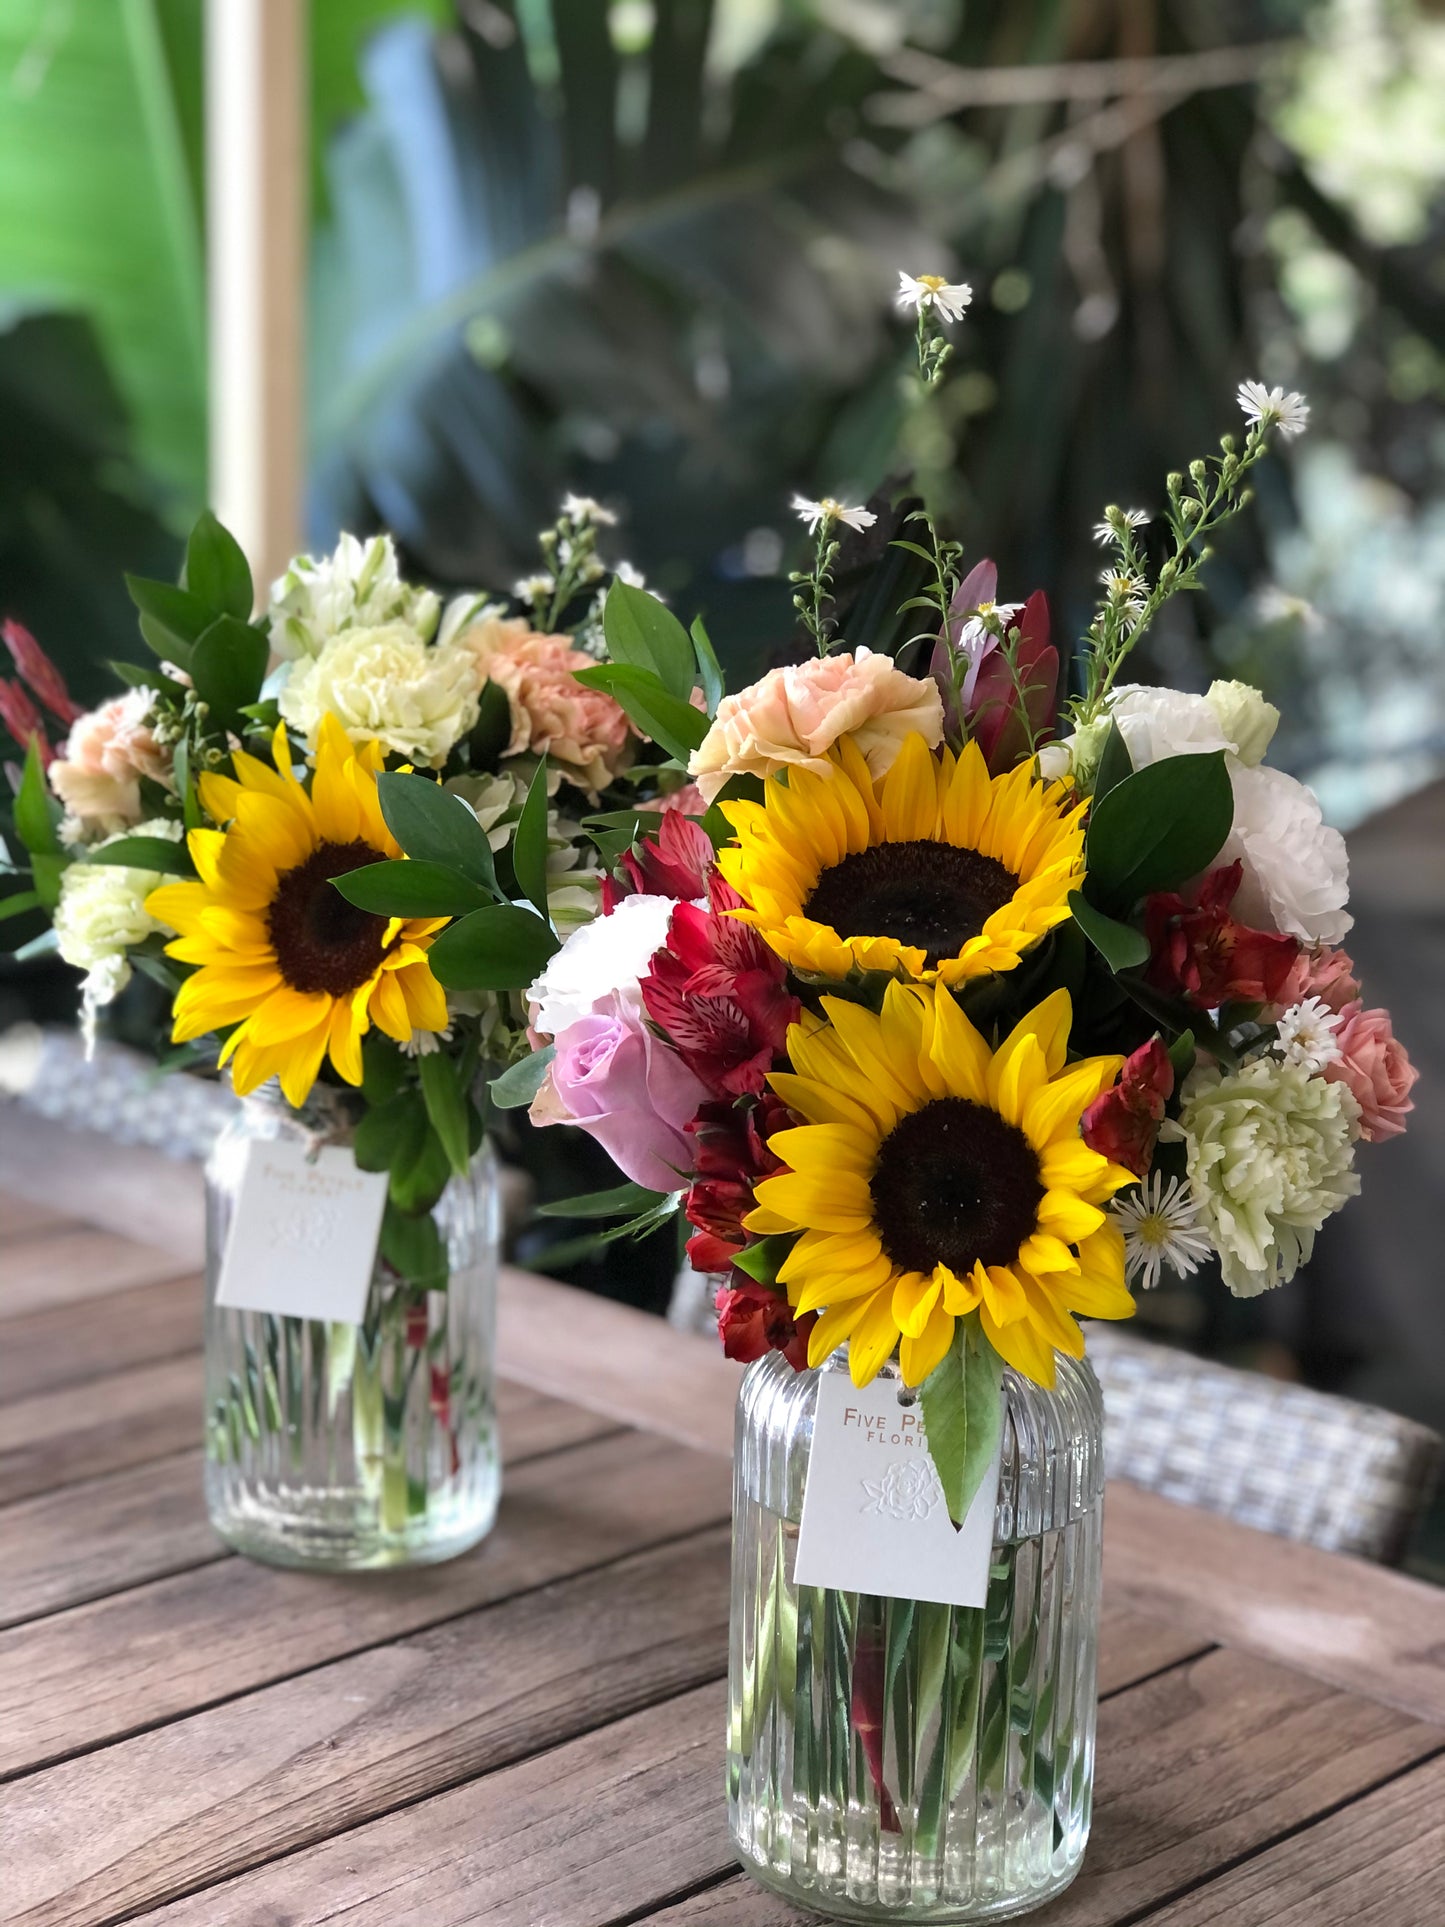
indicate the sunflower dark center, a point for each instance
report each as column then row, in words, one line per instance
column 955, row 1182
column 928, row 895
column 321, row 941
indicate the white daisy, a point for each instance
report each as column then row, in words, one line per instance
column 534, row 588
column 1161, row 1227
column 814, row 513
column 920, row 291
column 1125, row 586
column 582, row 508
column 634, row 578
column 422, row 1043
column 1107, row 531
column 1290, row 412
column 1306, row 1035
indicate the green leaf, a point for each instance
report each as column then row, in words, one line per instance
column 1157, row 828
column 217, row 573
column 492, row 730
column 621, row 1199
column 529, row 844
column 228, row 666
column 446, row 1106
column 963, row 1415
column 501, row 948
column 642, row 632
column 17, row 905
column 135, row 676
column 46, row 872
column 383, row 1069
column 409, row 887
column 37, row 814
column 520, row 1082
column 1114, row 763
column 709, row 669
column 666, row 718
column 764, row 1259
column 1182, row 1054
column 391, row 1133
column 435, row 827
column 1120, row 945
column 186, row 789
column 413, row 1246
column 180, row 618
column 147, row 853
column 418, row 1183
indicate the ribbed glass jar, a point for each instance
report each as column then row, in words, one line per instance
column 341, row 1446
column 899, row 1760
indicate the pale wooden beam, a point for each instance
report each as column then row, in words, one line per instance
column 257, row 206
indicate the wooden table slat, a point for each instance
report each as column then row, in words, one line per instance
column 61, row 1348
column 69, row 1267
column 125, row 1418
column 22, row 1217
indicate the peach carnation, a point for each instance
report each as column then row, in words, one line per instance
column 583, row 731
column 109, row 750
column 1373, row 1062
column 795, row 715
column 1325, row 973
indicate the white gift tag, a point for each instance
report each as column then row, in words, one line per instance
column 874, row 1517
column 303, row 1237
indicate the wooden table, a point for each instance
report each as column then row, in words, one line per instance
column 533, row 1734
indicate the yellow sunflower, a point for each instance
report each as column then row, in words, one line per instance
column 283, row 956
column 934, row 1177
column 937, row 871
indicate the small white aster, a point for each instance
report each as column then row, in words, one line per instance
column 1106, row 532
column 422, row 1043
column 1289, row 412
column 920, row 291
column 1306, row 1035
column 814, row 513
column 1124, row 586
column 582, row 508
column 534, row 588
column 634, row 578
column 1161, row 1227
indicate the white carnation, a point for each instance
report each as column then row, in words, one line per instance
column 386, row 685
column 609, row 954
column 357, row 586
column 1269, row 1151
column 1245, row 717
column 1296, row 868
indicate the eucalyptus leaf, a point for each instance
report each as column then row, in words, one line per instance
column 516, row 1086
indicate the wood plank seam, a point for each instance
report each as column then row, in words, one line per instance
column 205, row 1705
column 693, row 1890
column 1140, row 1917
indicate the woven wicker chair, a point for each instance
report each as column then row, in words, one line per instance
column 1306, row 1465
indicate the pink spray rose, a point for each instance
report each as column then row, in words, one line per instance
column 794, row 716
column 97, row 775
column 1324, row 973
column 622, row 1085
column 583, row 731
column 1374, row 1064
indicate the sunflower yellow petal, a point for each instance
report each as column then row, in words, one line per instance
column 918, row 1356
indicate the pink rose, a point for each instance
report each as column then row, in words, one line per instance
column 584, row 732
column 622, row 1085
column 1373, row 1063
column 1324, row 973
column 795, row 715
column 97, row 776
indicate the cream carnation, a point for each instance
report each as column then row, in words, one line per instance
column 1269, row 1151
column 794, row 716
column 386, row 685
column 101, row 916
column 1296, row 868
column 357, row 586
column 109, row 750
column 582, row 731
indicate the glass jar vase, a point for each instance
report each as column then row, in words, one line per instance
column 892, row 1759
column 335, row 1446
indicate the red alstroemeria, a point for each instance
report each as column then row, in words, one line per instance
column 753, row 1319
column 1200, row 953
column 23, row 720
column 1001, row 706
column 719, row 995
column 1123, row 1124
column 40, row 673
column 674, row 863
column 731, row 1154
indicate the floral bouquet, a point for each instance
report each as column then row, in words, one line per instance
column 343, row 836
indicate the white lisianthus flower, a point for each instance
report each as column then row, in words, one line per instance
column 101, row 916
column 1296, row 867
column 1272, row 406
column 1245, row 718
column 827, row 511
column 1270, row 1153
column 386, row 685
column 920, row 291
column 609, row 954
column 357, row 586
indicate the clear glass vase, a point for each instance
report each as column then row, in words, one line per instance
column 898, row 1760
column 337, row 1446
